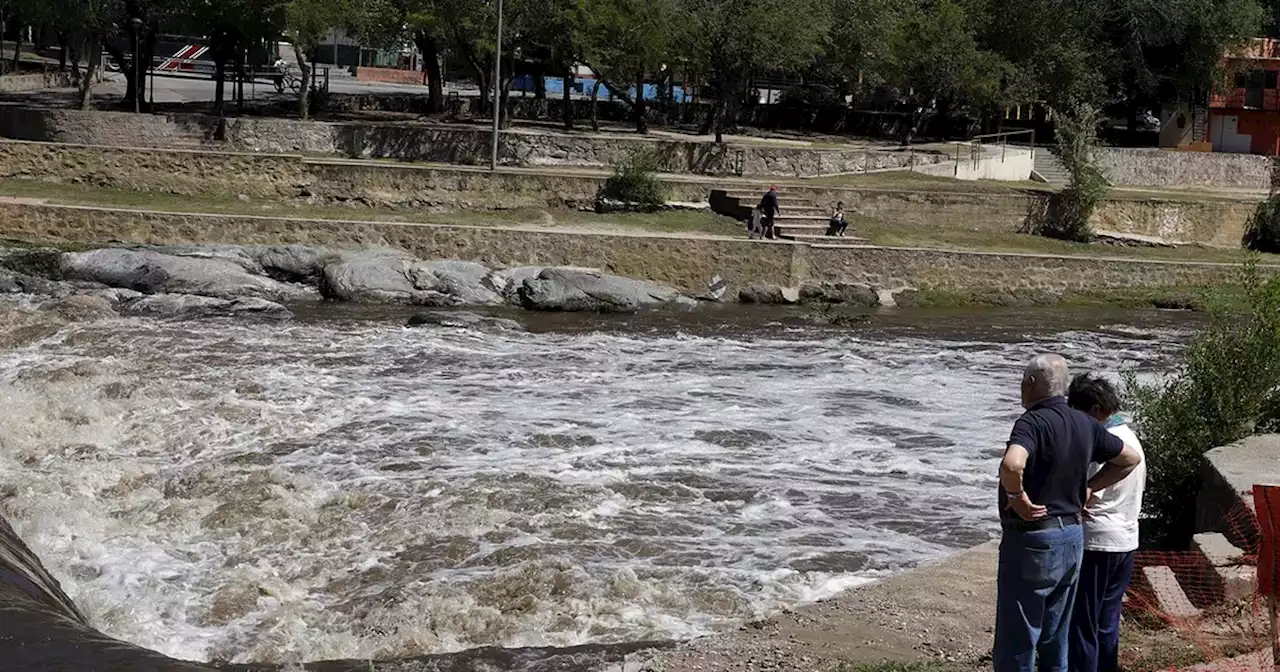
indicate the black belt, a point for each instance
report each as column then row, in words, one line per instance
column 1042, row 524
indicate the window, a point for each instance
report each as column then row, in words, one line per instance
column 1254, row 83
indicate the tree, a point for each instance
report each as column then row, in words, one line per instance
column 857, row 45
column 732, row 40
column 934, row 51
column 626, row 40
column 233, row 27
column 138, row 22
column 307, row 22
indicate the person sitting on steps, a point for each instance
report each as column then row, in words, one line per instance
column 838, row 224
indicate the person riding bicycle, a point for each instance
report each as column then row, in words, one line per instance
column 280, row 67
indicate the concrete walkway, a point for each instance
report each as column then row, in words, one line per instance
column 940, row 612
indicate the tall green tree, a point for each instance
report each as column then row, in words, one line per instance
column 733, row 40
column 307, row 22
column 935, row 52
column 625, row 41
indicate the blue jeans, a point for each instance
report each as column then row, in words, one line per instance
column 1035, row 593
column 1095, row 622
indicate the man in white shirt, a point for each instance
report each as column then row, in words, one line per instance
column 1110, row 539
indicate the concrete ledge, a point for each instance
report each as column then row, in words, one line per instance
column 1225, row 503
column 1170, row 599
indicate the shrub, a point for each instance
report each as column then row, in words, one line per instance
column 1071, row 209
column 634, row 184
column 1222, row 390
column 1262, row 233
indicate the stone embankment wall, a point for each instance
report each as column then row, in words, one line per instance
column 687, row 263
column 377, row 184
column 1167, row 168
column 34, row 82
column 433, row 143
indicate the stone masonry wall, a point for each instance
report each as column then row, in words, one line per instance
column 34, row 82
column 682, row 262
column 1164, row 168
column 431, row 143
column 260, row 175
column 978, row 271
column 186, row 172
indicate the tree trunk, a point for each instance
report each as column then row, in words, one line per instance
column 304, row 89
column 90, row 71
column 242, row 58
column 17, row 50
column 62, row 52
column 568, row 102
column 435, row 77
column 595, row 106
column 219, row 81
column 642, row 120
column 126, row 69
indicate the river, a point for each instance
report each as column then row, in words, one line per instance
column 343, row 487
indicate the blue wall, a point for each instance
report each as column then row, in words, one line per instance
column 555, row 88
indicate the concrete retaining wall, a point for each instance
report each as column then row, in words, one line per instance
column 263, row 175
column 689, row 263
column 34, row 82
column 433, row 143
column 1166, row 168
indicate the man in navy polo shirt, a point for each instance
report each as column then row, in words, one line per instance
column 1044, row 486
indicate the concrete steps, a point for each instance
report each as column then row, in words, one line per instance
column 1050, row 170
column 1171, row 599
column 1233, row 579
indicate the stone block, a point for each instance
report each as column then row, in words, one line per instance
column 1172, row 601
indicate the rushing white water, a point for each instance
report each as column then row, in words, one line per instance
column 346, row 488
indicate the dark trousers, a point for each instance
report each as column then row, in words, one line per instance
column 1095, row 621
column 767, row 220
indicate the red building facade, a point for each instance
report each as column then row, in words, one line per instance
column 1245, row 117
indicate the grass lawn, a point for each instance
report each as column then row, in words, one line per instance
column 907, row 180
column 941, row 234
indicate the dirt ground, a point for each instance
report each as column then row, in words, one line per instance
column 943, row 613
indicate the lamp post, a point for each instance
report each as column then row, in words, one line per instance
column 137, row 79
column 497, row 89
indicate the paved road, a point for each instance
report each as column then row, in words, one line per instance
column 183, row 90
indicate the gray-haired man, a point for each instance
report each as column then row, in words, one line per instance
column 1044, row 485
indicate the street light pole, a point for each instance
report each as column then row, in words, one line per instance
column 137, row 79
column 497, row 89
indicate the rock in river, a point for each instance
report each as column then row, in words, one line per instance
column 188, row 305
column 394, row 278
column 80, row 307
column 769, row 295
column 459, row 318
column 152, row 272
column 581, row 290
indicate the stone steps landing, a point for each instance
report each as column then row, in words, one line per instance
column 1231, row 578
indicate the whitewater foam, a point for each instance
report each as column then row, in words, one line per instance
column 355, row 490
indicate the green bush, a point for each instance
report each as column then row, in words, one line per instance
column 1071, row 209
column 1262, row 233
column 1223, row 389
column 634, row 184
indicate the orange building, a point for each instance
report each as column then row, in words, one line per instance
column 1245, row 117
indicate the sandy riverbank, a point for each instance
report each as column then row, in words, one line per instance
column 942, row 612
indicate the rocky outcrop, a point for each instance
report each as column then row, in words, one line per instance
column 394, row 278
column 840, row 292
column 152, row 272
column 458, row 318
column 563, row 289
column 292, row 263
column 768, row 295
column 188, row 305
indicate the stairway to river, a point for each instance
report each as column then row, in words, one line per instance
column 802, row 220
